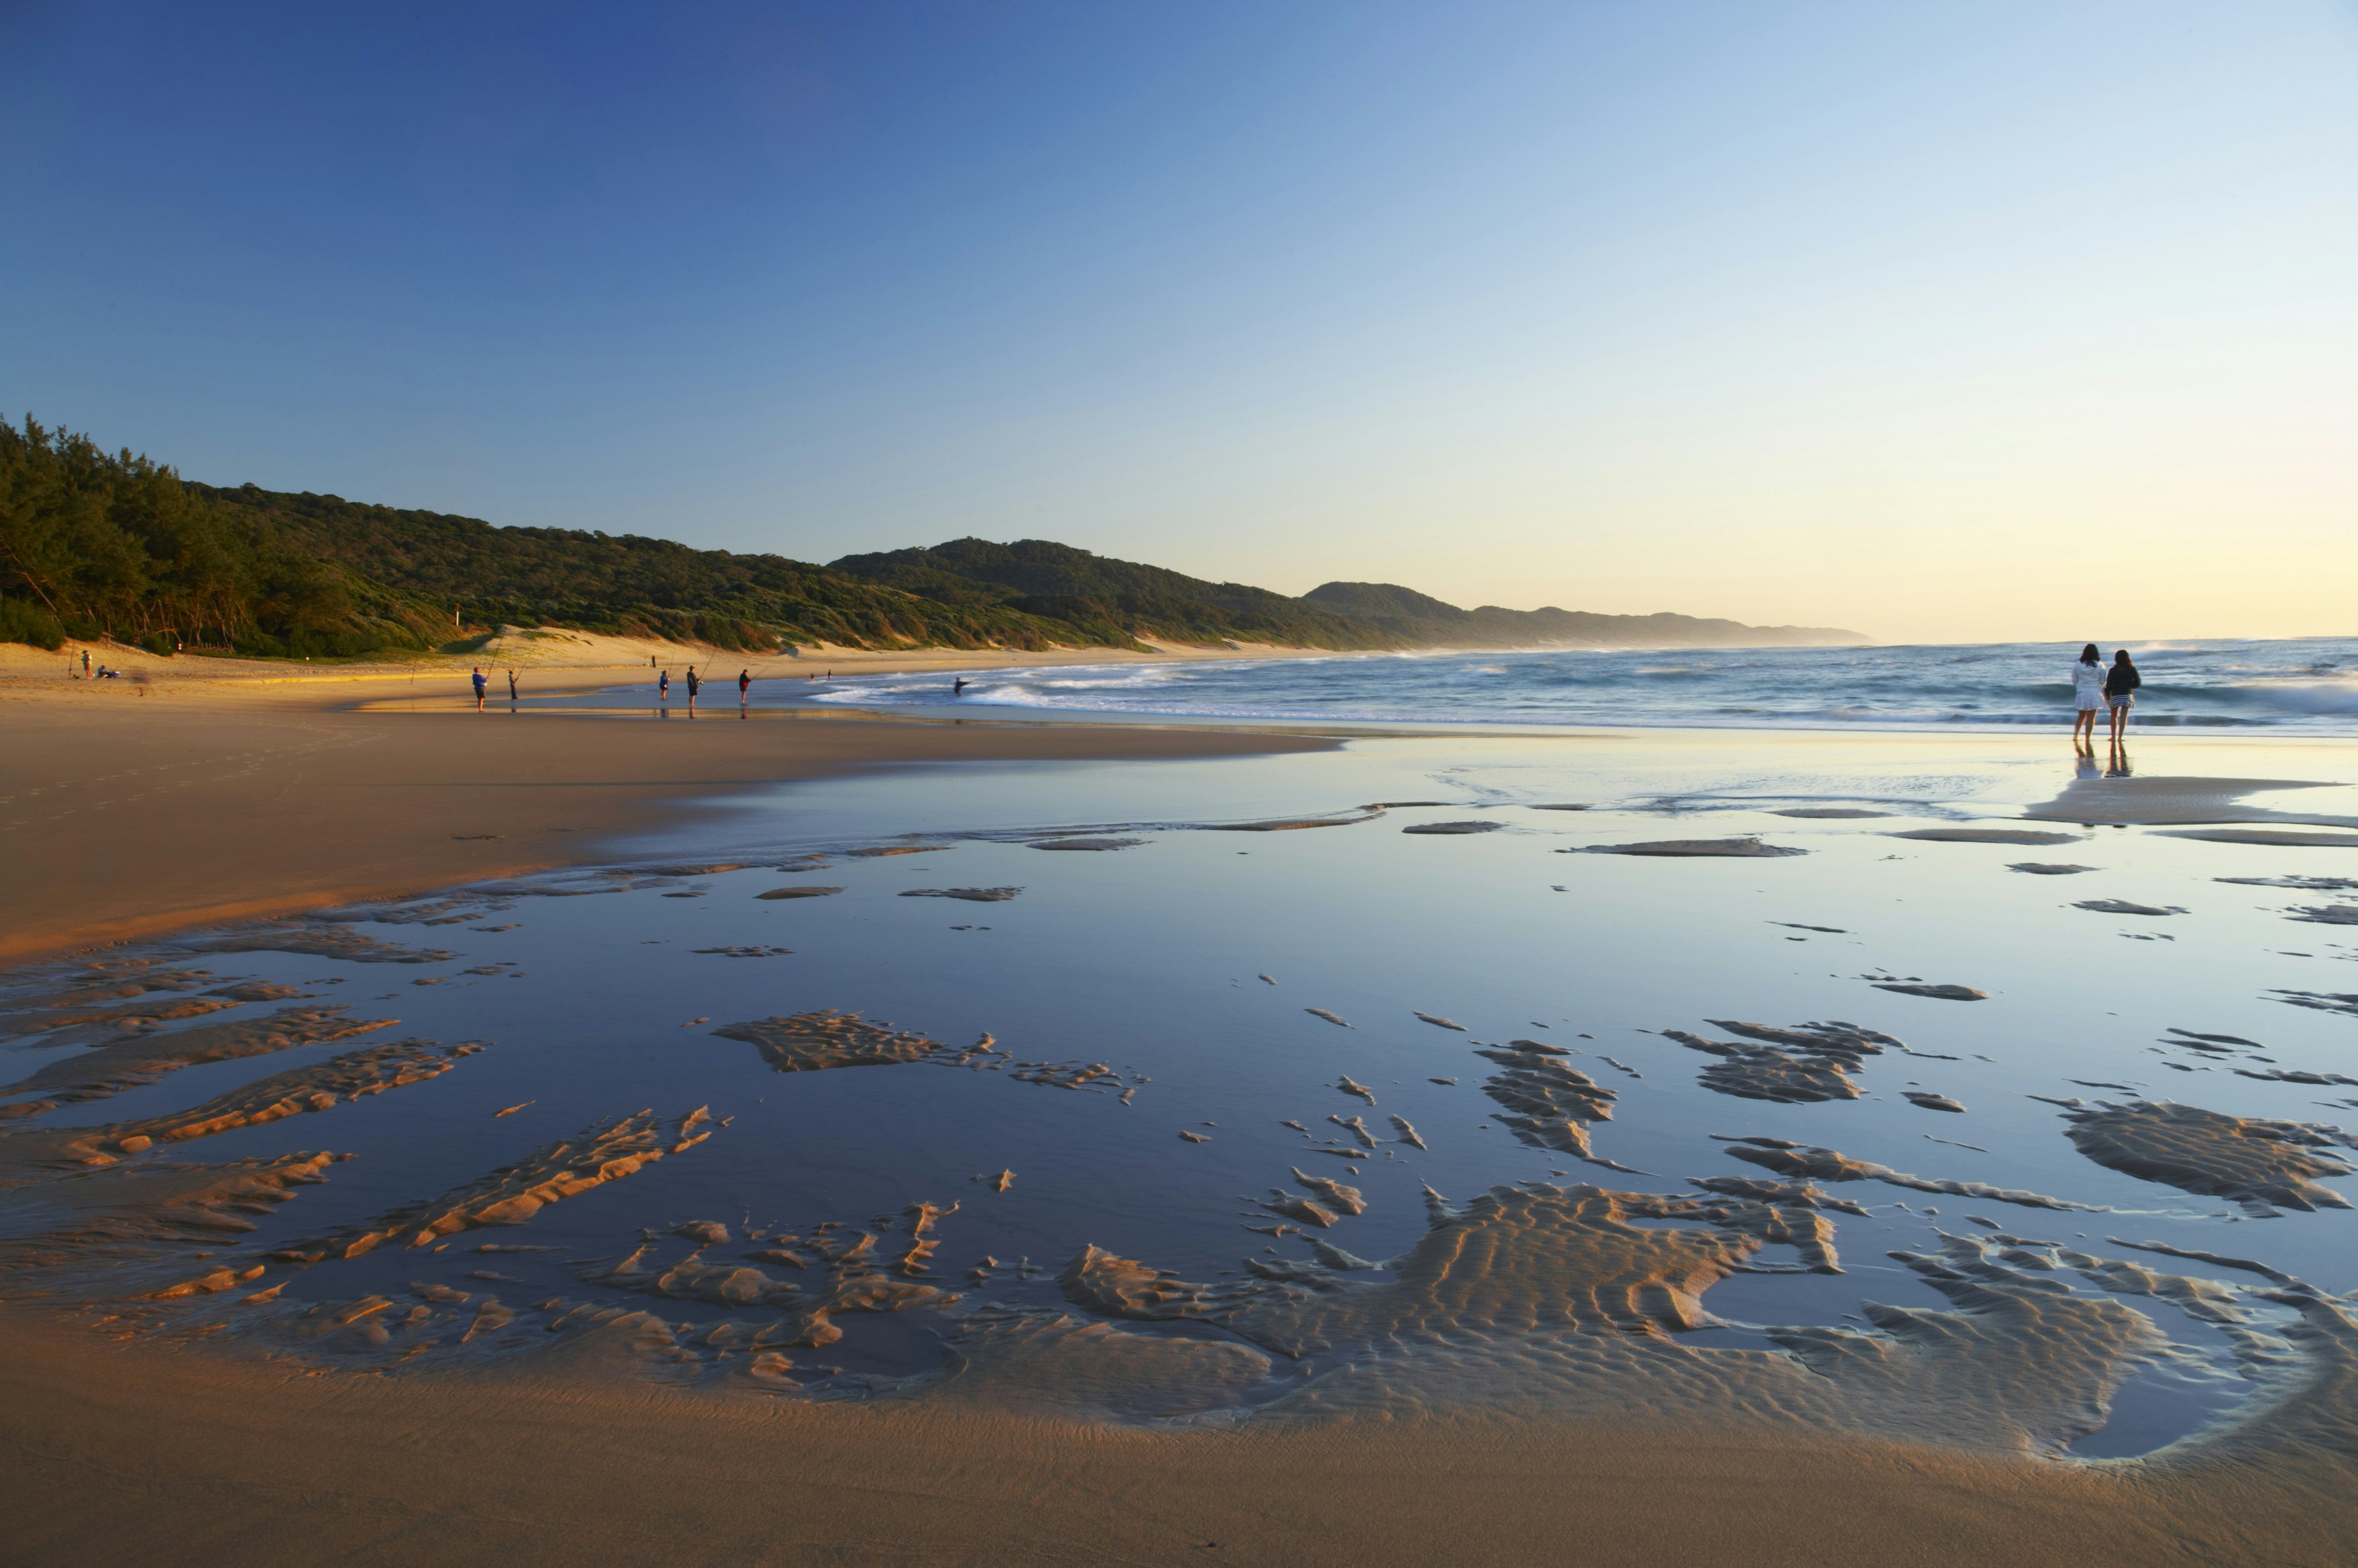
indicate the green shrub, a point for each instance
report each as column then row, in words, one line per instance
column 24, row 621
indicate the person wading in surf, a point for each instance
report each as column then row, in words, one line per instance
column 2088, row 691
column 2121, row 683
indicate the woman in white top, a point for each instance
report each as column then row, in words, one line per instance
column 2088, row 691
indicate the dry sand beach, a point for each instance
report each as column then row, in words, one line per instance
column 1613, row 1147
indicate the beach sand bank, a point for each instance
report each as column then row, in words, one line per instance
column 1529, row 1371
column 232, row 799
column 122, row 1455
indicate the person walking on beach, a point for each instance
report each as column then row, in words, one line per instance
column 692, row 684
column 2121, row 683
column 479, row 688
column 2088, row 691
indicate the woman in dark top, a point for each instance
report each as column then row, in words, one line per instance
column 2120, row 690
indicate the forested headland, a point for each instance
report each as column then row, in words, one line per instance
column 95, row 544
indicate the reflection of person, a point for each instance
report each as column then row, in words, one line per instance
column 2088, row 692
column 2121, row 683
column 479, row 688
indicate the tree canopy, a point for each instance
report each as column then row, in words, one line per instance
column 93, row 544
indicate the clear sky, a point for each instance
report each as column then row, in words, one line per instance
column 1942, row 321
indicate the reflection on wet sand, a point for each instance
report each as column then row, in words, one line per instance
column 1261, row 1239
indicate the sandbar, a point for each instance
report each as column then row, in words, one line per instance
column 214, row 799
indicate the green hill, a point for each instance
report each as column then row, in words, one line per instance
column 1428, row 622
column 1111, row 601
column 464, row 569
column 93, row 544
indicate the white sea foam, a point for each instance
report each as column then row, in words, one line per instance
column 2294, row 685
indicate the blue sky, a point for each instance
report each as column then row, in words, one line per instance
column 1942, row 321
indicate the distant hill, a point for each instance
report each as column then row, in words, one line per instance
column 1108, row 601
column 98, row 545
column 1427, row 622
column 1112, row 598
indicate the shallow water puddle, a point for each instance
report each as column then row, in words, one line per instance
column 1590, row 1139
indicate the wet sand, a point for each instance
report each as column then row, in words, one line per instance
column 123, row 816
column 1534, row 1402
column 124, row 1455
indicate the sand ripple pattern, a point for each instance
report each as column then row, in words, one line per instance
column 857, row 1279
column 2258, row 1163
column 514, row 1193
column 1548, row 1103
column 1806, row 1162
column 144, row 1059
column 1808, row 1062
column 356, row 1074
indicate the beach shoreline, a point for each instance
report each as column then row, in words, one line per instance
column 149, row 818
column 143, row 807
column 136, row 818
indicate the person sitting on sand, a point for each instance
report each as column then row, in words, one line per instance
column 479, row 688
column 2120, row 690
column 2088, row 691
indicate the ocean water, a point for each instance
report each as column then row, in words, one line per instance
column 2303, row 686
column 1228, row 986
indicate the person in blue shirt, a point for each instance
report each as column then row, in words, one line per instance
column 479, row 688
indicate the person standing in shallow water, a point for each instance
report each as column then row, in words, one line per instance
column 744, row 684
column 511, row 689
column 692, row 684
column 479, row 688
column 2121, row 683
column 2088, row 692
